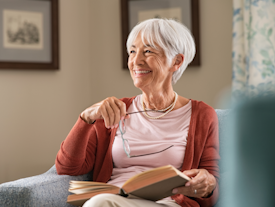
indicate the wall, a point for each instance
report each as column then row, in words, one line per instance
column 38, row 108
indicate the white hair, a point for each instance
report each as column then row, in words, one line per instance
column 173, row 37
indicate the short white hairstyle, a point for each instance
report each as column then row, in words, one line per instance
column 173, row 37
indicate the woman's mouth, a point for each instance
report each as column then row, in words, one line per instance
column 141, row 72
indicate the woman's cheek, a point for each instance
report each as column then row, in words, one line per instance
column 160, row 63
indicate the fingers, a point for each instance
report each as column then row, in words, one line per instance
column 105, row 115
column 201, row 184
column 192, row 172
column 112, row 110
column 122, row 109
column 116, row 110
column 190, row 191
column 194, row 175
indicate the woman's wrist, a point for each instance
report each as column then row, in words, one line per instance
column 213, row 183
column 209, row 194
column 88, row 121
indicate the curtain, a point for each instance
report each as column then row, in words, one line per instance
column 253, row 52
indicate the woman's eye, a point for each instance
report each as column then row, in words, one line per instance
column 132, row 51
column 148, row 51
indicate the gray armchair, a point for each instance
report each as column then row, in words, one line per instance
column 48, row 189
column 51, row 190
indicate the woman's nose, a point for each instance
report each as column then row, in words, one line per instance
column 139, row 58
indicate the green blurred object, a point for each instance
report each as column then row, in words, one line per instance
column 249, row 156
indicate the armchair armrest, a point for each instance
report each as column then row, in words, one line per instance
column 47, row 189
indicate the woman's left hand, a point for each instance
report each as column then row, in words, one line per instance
column 201, row 185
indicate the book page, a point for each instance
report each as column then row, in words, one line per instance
column 78, row 187
column 77, row 184
column 152, row 176
column 148, row 174
column 92, row 189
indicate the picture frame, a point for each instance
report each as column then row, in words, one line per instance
column 29, row 34
column 133, row 10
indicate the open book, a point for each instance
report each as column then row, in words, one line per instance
column 153, row 185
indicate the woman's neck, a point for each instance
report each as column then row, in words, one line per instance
column 158, row 100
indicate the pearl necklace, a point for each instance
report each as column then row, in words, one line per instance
column 168, row 109
column 146, row 109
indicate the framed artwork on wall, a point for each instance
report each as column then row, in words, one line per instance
column 29, row 34
column 184, row 11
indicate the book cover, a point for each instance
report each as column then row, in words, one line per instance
column 153, row 185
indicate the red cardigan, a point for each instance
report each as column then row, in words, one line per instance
column 89, row 147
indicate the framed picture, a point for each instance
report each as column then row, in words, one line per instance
column 29, row 34
column 185, row 11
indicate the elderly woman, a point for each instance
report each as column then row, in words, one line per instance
column 166, row 128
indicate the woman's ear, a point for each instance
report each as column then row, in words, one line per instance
column 177, row 62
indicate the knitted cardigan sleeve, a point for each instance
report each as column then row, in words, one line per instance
column 202, row 151
column 88, row 147
column 77, row 152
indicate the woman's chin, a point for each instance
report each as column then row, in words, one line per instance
column 139, row 84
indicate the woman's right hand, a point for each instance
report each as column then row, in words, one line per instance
column 111, row 109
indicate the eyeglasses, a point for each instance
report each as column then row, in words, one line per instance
column 126, row 146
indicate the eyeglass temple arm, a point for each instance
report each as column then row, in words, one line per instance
column 144, row 111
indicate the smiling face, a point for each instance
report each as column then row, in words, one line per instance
column 148, row 67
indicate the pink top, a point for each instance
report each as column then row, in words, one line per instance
column 89, row 147
column 148, row 136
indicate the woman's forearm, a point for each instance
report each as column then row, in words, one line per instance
column 72, row 157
